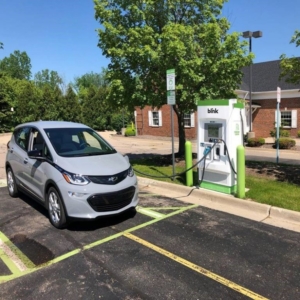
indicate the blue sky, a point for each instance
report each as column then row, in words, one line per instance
column 60, row 35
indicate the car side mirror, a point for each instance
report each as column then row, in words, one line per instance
column 36, row 154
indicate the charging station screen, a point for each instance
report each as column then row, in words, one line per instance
column 213, row 131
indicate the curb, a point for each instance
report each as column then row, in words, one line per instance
column 247, row 208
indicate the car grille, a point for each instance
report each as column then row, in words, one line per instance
column 111, row 179
column 111, row 201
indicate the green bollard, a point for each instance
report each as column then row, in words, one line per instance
column 241, row 173
column 189, row 163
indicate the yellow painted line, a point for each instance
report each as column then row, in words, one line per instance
column 150, row 213
column 197, row 268
column 8, row 262
column 165, row 208
column 13, row 256
column 92, row 245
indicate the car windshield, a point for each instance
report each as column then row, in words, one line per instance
column 75, row 142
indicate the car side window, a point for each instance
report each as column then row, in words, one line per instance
column 21, row 136
column 38, row 143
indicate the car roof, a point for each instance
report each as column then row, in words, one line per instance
column 53, row 124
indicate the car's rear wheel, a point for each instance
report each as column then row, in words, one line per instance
column 56, row 209
column 11, row 183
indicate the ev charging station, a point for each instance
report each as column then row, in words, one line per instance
column 219, row 134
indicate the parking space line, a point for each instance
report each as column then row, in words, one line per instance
column 89, row 246
column 12, row 256
column 197, row 268
column 149, row 212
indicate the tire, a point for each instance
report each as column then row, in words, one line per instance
column 11, row 183
column 56, row 210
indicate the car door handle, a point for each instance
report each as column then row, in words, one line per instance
column 25, row 160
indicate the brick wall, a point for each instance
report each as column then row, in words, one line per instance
column 143, row 127
column 263, row 118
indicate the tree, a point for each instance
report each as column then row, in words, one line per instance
column 90, row 79
column 95, row 110
column 143, row 39
column 7, row 98
column 1, row 45
column 28, row 107
column 290, row 67
column 50, row 78
column 17, row 65
column 71, row 109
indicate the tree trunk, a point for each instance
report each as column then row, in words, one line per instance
column 181, row 132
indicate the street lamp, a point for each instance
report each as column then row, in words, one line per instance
column 250, row 34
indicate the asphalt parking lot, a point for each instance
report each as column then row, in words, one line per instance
column 169, row 249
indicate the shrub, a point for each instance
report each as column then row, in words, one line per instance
column 285, row 143
column 130, row 130
column 282, row 132
column 298, row 133
column 256, row 142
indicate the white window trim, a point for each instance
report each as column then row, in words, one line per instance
column 150, row 118
column 293, row 120
column 192, row 121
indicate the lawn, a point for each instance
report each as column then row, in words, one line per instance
column 276, row 185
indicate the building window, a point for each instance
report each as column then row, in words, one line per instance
column 189, row 119
column 155, row 118
column 287, row 118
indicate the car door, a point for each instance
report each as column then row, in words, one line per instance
column 18, row 155
column 36, row 168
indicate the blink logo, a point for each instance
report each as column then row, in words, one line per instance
column 212, row 111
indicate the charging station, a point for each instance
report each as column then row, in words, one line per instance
column 220, row 131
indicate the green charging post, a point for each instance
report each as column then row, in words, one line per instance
column 189, row 163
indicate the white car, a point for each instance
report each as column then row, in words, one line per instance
column 71, row 170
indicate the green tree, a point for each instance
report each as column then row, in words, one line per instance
column 29, row 107
column 143, row 39
column 71, row 109
column 47, row 77
column 17, row 65
column 90, row 79
column 7, row 102
column 95, row 110
column 290, row 67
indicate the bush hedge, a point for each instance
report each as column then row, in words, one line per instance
column 255, row 142
column 130, row 131
column 285, row 143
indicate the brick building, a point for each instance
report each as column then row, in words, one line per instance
column 265, row 80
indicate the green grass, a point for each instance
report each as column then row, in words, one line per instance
column 272, row 192
column 267, row 191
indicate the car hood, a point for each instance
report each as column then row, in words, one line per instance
column 109, row 164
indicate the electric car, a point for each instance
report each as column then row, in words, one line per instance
column 71, row 170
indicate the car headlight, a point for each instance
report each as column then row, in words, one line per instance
column 130, row 172
column 75, row 178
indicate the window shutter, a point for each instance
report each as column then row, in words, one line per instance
column 159, row 118
column 294, row 118
column 150, row 118
column 192, row 119
column 276, row 118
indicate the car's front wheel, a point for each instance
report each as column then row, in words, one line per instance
column 56, row 209
column 11, row 183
